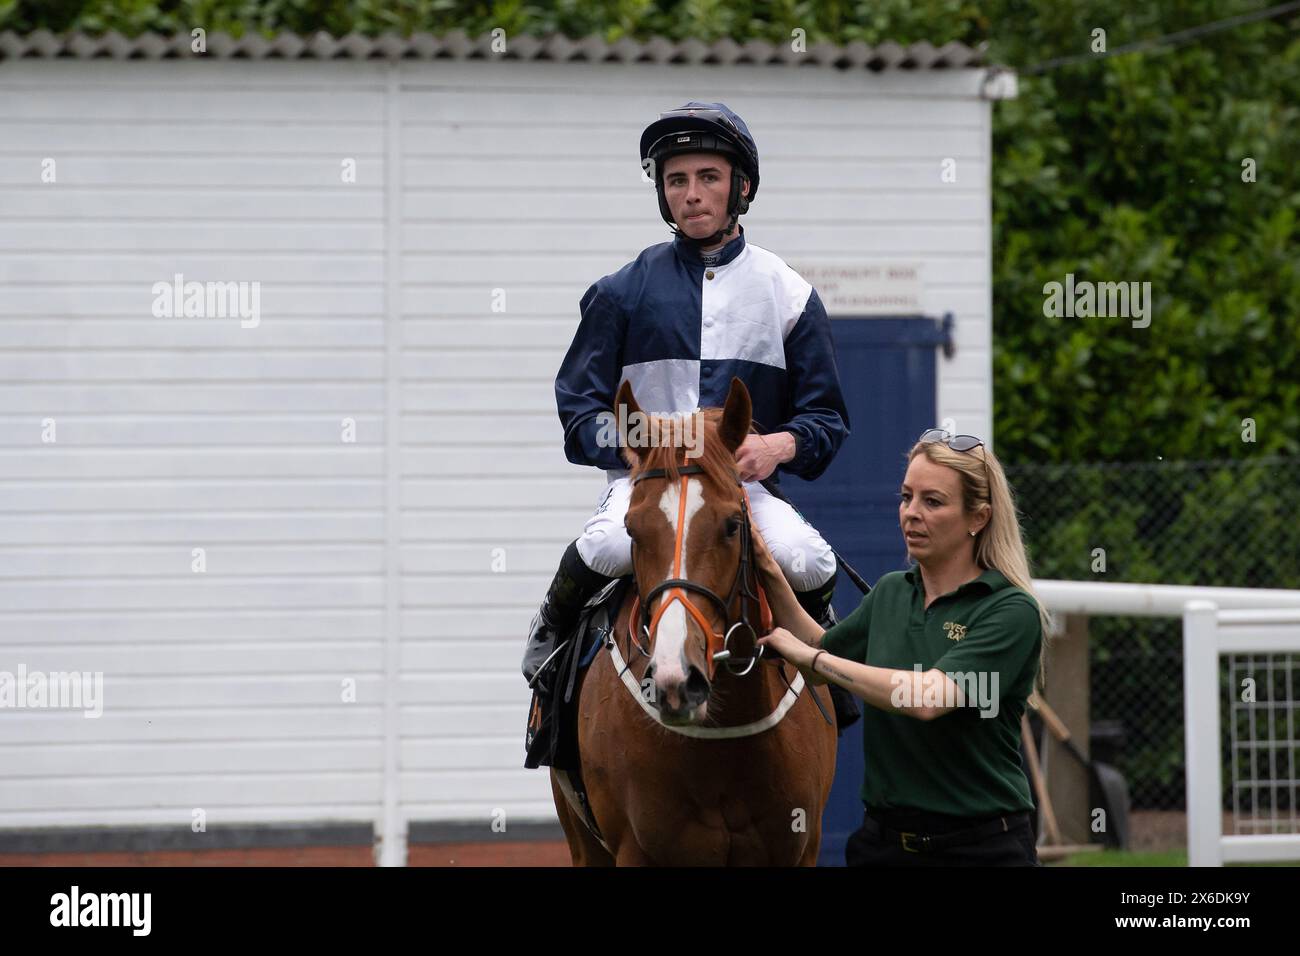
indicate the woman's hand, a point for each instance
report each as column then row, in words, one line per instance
column 795, row 651
column 788, row 646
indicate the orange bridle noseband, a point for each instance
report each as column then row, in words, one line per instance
column 676, row 586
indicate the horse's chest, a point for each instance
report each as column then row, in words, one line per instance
column 732, row 814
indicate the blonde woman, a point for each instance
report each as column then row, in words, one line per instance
column 946, row 655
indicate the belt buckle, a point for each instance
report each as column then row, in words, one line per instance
column 912, row 849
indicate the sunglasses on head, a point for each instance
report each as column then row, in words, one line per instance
column 955, row 442
column 966, row 443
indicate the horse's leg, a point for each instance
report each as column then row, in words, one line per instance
column 629, row 854
column 812, row 850
column 565, row 813
column 584, row 848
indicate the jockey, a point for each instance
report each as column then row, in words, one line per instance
column 679, row 322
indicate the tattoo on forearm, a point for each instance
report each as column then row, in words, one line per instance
column 830, row 670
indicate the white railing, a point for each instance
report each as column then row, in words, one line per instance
column 1216, row 621
column 1209, row 633
column 1095, row 598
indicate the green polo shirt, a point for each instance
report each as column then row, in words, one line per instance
column 985, row 635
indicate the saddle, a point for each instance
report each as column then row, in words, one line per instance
column 551, row 737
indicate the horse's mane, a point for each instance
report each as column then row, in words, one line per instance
column 718, row 463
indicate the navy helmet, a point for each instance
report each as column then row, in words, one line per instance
column 702, row 128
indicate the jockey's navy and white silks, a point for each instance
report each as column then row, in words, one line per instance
column 678, row 324
column 679, row 328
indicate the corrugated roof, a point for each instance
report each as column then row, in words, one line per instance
column 456, row 45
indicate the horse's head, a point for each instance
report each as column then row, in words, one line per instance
column 690, row 529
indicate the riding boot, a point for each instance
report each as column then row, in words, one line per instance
column 817, row 603
column 574, row 584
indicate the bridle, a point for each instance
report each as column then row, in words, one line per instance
column 743, row 587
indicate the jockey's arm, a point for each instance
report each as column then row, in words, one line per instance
column 588, row 381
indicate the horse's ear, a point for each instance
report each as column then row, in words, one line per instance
column 631, row 414
column 737, row 414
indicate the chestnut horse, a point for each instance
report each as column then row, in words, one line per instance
column 694, row 751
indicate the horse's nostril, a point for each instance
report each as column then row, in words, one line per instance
column 697, row 688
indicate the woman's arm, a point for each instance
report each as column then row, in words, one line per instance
column 787, row 612
column 924, row 695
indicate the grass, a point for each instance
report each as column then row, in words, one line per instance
column 1129, row 858
column 1125, row 858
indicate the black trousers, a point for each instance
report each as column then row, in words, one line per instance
column 868, row 846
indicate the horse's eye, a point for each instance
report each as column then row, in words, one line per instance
column 733, row 525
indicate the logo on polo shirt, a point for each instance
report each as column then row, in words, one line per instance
column 955, row 631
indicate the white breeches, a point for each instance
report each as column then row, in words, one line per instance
column 798, row 548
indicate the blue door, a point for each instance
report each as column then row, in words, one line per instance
column 887, row 371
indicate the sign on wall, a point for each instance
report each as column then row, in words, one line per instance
column 881, row 289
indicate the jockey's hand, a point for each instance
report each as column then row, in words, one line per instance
column 758, row 455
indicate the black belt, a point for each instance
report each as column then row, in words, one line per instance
column 922, row 842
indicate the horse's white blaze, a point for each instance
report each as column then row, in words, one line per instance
column 670, row 636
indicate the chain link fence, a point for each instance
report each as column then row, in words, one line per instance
column 1220, row 523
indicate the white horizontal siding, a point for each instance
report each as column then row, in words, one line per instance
column 185, row 527
column 111, row 298
column 921, row 171
column 318, row 624
column 172, row 561
column 223, row 689
column 184, row 726
column 89, row 330
column 118, row 203
column 797, row 205
column 965, row 381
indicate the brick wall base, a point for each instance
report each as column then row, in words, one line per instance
column 260, row 856
column 492, row 853
column 429, row 844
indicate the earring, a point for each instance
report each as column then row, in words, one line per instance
column 972, row 534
